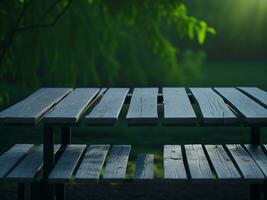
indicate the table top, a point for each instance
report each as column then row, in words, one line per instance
column 167, row 106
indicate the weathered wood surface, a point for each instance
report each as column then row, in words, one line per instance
column 62, row 172
column 177, row 107
column 213, row 108
column 31, row 109
column 258, row 156
column 117, row 163
column 30, row 166
column 144, row 167
column 143, row 106
column 252, row 112
column 256, row 94
column 222, row 164
column 174, row 167
column 12, row 157
column 197, row 162
column 245, row 163
column 108, row 109
column 70, row 109
column 92, row 163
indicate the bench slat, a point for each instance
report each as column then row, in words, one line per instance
column 259, row 156
column 66, row 164
column 252, row 112
column 213, row 108
column 144, row 167
column 198, row 164
column 256, row 94
column 143, row 106
column 28, row 168
column 245, row 163
column 31, row 109
column 12, row 157
column 223, row 165
column 92, row 163
column 177, row 107
column 174, row 167
column 117, row 162
column 108, row 109
column 70, row 109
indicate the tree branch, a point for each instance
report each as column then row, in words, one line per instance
column 6, row 43
column 45, row 25
column 10, row 36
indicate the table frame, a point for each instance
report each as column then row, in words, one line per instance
column 49, row 158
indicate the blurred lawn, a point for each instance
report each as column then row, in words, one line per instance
column 152, row 139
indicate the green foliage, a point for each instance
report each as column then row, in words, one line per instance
column 99, row 42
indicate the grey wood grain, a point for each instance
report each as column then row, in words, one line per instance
column 252, row 112
column 144, row 167
column 92, row 163
column 31, row 109
column 245, row 163
column 197, row 162
column 70, row 109
column 108, row 109
column 258, row 95
column 213, row 108
column 30, row 166
column 143, row 106
column 12, row 157
column 223, row 165
column 174, row 167
column 117, row 163
column 177, row 107
column 259, row 156
column 63, row 170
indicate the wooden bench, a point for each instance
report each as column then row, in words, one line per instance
column 232, row 163
column 64, row 108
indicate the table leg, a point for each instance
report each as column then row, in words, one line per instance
column 65, row 140
column 255, row 189
column 20, row 192
column 49, row 161
column 65, row 136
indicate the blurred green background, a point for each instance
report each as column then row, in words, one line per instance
column 64, row 43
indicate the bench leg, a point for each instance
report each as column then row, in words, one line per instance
column 255, row 192
column 36, row 190
column 255, row 136
column 60, row 191
column 20, row 191
column 49, row 160
column 65, row 140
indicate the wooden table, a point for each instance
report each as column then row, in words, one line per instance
column 65, row 107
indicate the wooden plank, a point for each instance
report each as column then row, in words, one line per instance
column 222, row 164
column 12, row 157
column 245, row 163
column 117, row 163
column 143, row 106
column 213, row 108
column 108, row 109
column 66, row 164
column 259, row 156
column 252, row 112
column 31, row 109
column 177, row 107
column 144, row 167
column 198, row 164
column 70, row 109
column 258, row 95
column 30, row 166
column 92, row 163
column 174, row 167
